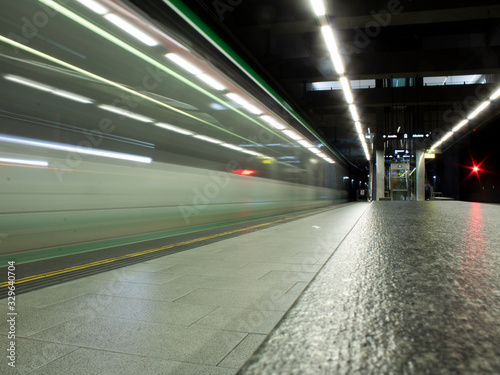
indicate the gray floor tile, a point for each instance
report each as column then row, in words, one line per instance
column 30, row 320
column 242, row 320
column 288, row 276
column 98, row 362
column 57, row 293
column 194, row 345
column 275, row 266
column 224, row 297
column 31, row 354
column 211, row 271
column 134, row 309
column 243, row 351
column 135, row 277
column 168, row 291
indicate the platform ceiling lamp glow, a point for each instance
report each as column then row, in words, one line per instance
column 354, row 112
column 318, row 7
column 460, row 125
column 495, row 95
column 347, row 90
column 131, row 29
column 478, row 110
column 333, row 49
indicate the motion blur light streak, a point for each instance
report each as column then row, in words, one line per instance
column 173, row 128
column 46, row 88
column 183, row 63
column 94, row 6
column 70, row 148
column 131, row 29
column 23, row 161
column 90, row 26
column 125, row 113
column 249, row 107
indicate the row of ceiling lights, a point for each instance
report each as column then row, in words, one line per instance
column 330, row 40
column 185, row 63
column 465, row 121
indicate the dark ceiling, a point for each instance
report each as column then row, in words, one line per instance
column 380, row 40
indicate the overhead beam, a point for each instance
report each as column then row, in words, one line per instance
column 401, row 19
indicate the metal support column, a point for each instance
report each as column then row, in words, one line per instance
column 420, row 159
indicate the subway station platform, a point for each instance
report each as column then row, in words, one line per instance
column 380, row 288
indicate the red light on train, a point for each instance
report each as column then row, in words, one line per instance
column 244, row 172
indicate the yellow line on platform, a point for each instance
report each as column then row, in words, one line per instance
column 132, row 255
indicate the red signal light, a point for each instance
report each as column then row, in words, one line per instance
column 475, row 168
column 244, row 172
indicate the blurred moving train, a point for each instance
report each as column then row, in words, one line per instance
column 115, row 126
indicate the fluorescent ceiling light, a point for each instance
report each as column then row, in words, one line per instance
column 71, row 148
column 318, row 7
column 347, row 90
column 354, row 112
column 71, row 96
column 208, row 139
column 362, row 138
column 94, row 6
column 292, row 135
column 173, row 128
column 125, row 113
column 183, row 63
column 495, row 95
column 459, row 125
column 273, row 122
column 22, row 161
column 333, row 48
column 358, row 127
column 238, row 99
column 478, row 110
column 131, row 29
column 211, row 82
column 446, row 136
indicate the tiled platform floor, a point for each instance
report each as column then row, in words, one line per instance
column 202, row 311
